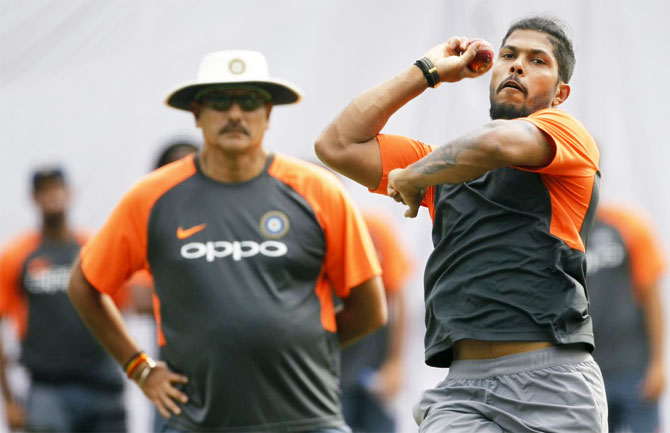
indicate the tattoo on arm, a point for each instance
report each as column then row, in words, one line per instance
column 444, row 157
column 488, row 151
column 532, row 132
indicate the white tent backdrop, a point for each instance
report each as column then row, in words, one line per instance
column 82, row 83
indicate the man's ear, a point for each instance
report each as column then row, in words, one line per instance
column 562, row 93
column 194, row 108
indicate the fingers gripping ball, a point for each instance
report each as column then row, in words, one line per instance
column 483, row 59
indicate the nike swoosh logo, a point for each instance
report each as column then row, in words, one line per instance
column 183, row 234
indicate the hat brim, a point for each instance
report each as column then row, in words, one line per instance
column 282, row 92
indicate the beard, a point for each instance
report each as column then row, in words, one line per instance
column 508, row 111
column 501, row 110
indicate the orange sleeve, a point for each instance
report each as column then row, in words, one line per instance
column 350, row 255
column 120, row 297
column 398, row 151
column 571, row 176
column 351, row 258
column 395, row 261
column 12, row 302
column 576, row 151
column 120, row 247
column 647, row 258
column 9, row 272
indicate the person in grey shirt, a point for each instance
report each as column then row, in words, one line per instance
column 625, row 264
column 244, row 247
column 74, row 385
column 512, row 204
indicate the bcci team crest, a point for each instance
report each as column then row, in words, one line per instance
column 274, row 224
column 237, row 66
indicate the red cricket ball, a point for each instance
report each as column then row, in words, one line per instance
column 484, row 58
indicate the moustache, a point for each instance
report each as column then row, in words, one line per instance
column 515, row 80
column 234, row 127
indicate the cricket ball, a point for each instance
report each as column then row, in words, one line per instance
column 484, row 58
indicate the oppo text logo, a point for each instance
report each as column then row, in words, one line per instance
column 238, row 250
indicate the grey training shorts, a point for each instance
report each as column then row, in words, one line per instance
column 557, row 389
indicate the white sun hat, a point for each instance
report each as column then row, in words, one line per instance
column 234, row 67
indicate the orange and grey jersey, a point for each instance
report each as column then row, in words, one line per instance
column 624, row 261
column 56, row 346
column 369, row 353
column 509, row 261
column 243, row 275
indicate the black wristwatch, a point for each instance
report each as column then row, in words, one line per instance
column 429, row 71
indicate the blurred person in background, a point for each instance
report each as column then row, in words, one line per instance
column 625, row 265
column 244, row 247
column 141, row 284
column 512, row 204
column 142, row 298
column 75, row 385
column 12, row 408
column 174, row 151
column 373, row 367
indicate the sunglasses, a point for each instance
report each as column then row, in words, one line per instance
column 222, row 101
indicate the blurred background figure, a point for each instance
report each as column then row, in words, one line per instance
column 175, row 150
column 624, row 267
column 13, row 411
column 141, row 284
column 142, row 298
column 373, row 368
column 75, row 386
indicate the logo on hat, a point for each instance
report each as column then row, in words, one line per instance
column 237, row 66
column 274, row 224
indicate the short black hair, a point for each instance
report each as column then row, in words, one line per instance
column 563, row 51
column 167, row 154
column 46, row 173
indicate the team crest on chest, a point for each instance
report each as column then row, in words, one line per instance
column 274, row 224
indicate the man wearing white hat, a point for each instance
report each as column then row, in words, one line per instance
column 244, row 247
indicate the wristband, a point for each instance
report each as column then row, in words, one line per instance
column 151, row 364
column 429, row 71
column 132, row 367
column 132, row 358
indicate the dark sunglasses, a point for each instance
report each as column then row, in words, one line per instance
column 222, row 101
